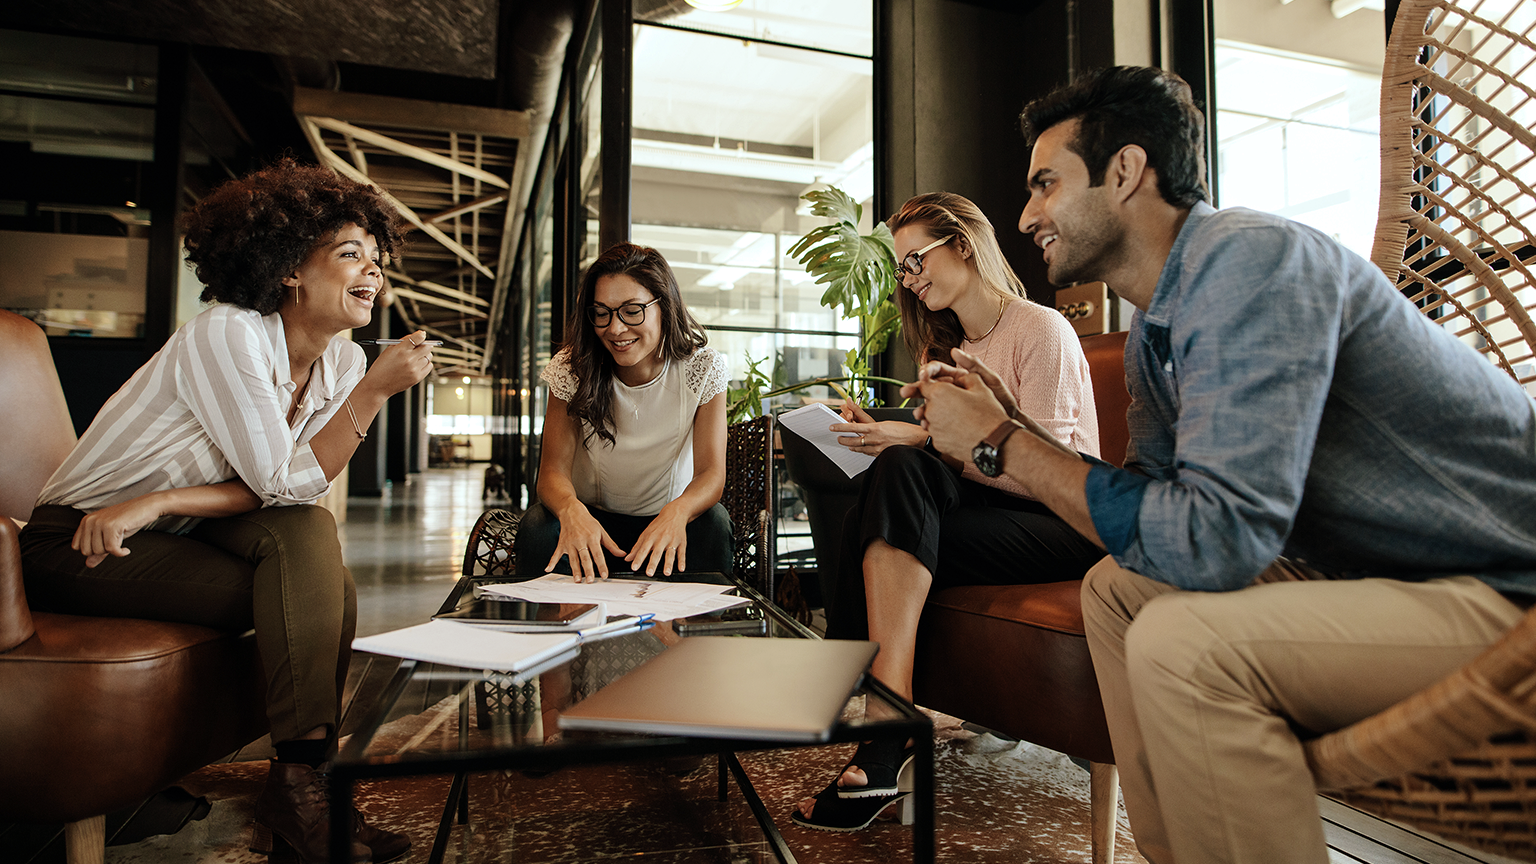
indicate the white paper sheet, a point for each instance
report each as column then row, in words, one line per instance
column 665, row 600
column 812, row 422
column 455, row 644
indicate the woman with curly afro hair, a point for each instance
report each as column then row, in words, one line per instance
column 207, row 463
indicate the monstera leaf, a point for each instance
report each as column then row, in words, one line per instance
column 859, row 272
column 858, row 269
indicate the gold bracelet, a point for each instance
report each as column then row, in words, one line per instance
column 353, row 414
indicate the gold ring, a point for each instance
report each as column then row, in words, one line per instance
column 861, row 440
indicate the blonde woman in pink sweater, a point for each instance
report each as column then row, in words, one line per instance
column 924, row 522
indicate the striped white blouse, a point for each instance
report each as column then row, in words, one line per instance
column 210, row 406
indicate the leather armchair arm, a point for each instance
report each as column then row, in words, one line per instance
column 15, row 615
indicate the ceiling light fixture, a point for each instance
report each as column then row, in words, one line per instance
column 714, row 5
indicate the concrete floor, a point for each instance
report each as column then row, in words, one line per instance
column 405, row 548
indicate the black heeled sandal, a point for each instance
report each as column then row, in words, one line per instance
column 852, row 814
column 884, row 763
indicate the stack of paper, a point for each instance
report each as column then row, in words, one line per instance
column 454, row 644
column 814, row 424
column 662, row 600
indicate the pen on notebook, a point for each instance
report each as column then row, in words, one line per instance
column 395, row 341
column 615, row 628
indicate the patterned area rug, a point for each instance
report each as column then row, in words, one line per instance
column 998, row 801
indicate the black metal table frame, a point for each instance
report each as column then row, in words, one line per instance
column 351, row 765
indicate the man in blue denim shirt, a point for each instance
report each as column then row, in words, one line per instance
column 1286, row 401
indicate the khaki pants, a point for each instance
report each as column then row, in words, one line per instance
column 277, row 569
column 1206, row 693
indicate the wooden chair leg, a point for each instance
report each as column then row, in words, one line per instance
column 85, row 842
column 1103, row 807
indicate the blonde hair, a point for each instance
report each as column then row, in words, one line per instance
column 928, row 334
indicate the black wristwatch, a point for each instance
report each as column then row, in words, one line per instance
column 988, row 455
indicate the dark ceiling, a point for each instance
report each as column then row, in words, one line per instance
column 450, row 37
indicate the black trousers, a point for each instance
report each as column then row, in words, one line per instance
column 963, row 532
column 711, row 546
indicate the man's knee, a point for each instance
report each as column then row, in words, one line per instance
column 1104, row 589
column 1169, row 639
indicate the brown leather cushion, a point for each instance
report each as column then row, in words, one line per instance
column 99, row 713
column 1106, row 366
column 1013, row 658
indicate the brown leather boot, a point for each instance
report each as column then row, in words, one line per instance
column 385, row 845
column 294, row 811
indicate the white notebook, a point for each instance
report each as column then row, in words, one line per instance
column 732, row 687
column 453, row 644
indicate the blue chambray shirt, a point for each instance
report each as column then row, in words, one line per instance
column 1286, row 399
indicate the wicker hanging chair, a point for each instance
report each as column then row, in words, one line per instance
column 1458, row 209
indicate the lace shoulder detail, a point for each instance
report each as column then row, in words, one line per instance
column 705, row 372
column 559, row 376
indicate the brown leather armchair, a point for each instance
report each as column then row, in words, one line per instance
column 96, row 714
column 1014, row 658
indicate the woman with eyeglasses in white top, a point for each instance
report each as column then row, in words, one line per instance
column 924, row 522
column 633, row 459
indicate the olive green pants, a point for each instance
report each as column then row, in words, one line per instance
column 277, row 569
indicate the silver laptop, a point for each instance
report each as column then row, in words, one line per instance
column 732, row 687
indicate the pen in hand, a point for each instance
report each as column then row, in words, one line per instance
column 433, row 342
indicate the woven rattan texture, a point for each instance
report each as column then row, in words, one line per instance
column 488, row 552
column 748, row 498
column 1457, row 206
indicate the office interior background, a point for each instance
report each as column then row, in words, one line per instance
column 523, row 136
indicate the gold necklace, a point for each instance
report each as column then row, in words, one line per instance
column 1001, row 304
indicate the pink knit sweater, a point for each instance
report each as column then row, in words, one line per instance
column 1036, row 353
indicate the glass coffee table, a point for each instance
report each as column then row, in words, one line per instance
column 506, row 722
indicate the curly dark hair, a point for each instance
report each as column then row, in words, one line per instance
column 681, row 335
column 1123, row 105
column 250, row 233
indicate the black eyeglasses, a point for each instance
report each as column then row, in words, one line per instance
column 632, row 314
column 912, row 265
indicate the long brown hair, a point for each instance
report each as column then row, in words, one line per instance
column 590, row 361
column 930, row 335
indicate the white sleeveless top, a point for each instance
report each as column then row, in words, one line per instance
column 650, row 462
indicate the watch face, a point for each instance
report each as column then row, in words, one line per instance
column 984, row 456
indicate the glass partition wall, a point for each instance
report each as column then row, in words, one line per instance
column 732, row 116
column 735, row 116
column 78, row 114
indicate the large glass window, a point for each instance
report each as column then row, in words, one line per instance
column 728, row 134
column 1299, row 138
column 735, row 116
column 77, row 130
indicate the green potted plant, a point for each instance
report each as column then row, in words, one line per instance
column 859, row 272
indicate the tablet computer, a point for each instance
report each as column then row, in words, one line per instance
column 494, row 611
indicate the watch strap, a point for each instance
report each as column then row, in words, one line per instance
column 1000, row 435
